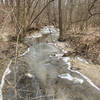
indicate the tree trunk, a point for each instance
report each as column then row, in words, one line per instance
column 60, row 21
column 1, row 1
column 6, row 3
column 17, row 16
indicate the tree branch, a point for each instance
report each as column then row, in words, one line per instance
column 40, row 12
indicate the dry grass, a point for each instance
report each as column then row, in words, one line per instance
column 85, row 45
column 90, row 70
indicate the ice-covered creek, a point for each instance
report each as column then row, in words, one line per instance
column 48, row 56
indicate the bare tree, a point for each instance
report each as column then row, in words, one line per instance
column 60, row 20
column 1, row 1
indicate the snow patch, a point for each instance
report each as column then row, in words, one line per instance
column 59, row 55
column 64, row 51
column 7, row 71
column 71, row 78
column 66, row 59
column 82, row 60
column 24, row 52
column 37, row 36
column 29, row 75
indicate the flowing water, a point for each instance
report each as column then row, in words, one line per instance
column 43, row 74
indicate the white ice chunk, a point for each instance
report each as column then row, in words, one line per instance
column 29, row 75
column 64, row 51
column 59, row 55
column 37, row 36
column 66, row 59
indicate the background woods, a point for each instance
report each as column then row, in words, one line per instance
column 28, row 15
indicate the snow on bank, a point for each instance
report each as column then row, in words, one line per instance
column 71, row 78
column 66, row 60
column 68, row 76
column 7, row 71
column 82, row 60
column 24, row 52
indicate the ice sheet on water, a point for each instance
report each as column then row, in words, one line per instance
column 49, row 29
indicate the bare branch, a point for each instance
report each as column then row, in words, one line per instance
column 40, row 12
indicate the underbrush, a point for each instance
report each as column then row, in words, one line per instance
column 87, row 46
